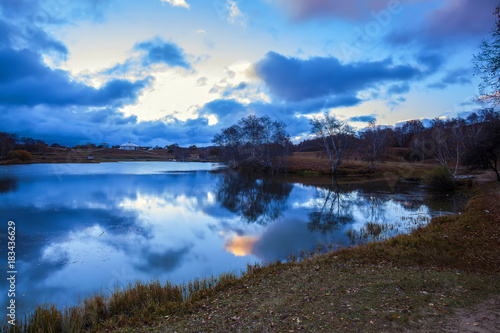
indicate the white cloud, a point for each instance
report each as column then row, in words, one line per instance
column 234, row 12
column 177, row 3
column 229, row 10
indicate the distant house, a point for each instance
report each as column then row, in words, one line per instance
column 129, row 146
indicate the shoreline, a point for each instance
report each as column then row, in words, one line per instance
column 424, row 252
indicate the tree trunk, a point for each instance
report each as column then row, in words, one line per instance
column 496, row 170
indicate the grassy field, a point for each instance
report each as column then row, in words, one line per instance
column 417, row 282
column 314, row 163
column 61, row 155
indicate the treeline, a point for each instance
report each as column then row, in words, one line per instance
column 455, row 142
column 11, row 146
column 22, row 148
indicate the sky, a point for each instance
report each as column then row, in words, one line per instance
column 157, row 72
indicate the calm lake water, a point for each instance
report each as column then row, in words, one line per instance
column 81, row 228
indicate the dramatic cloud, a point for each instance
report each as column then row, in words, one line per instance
column 79, row 125
column 296, row 80
column 158, row 52
column 27, row 81
column 87, row 101
column 177, row 3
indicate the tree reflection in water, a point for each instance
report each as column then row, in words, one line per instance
column 333, row 210
column 256, row 200
column 7, row 185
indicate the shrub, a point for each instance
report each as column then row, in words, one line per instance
column 21, row 155
column 440, row 179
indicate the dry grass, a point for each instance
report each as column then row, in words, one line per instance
column 316, row 163
column 60, row 155
column 468, row 241
column 137, row 303
column 325, row 296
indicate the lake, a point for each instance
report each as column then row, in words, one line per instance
column 81, row 228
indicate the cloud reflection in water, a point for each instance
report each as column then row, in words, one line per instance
column 88, row 231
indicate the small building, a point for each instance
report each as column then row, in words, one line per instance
column 129, row 146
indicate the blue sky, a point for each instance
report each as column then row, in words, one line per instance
column 156, row 72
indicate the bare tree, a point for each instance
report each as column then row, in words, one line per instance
column 374, row 142
column 450, row 145
column 405, row 132
column 335, row 135
column 255, row 140
column 274, row 145
column 484, row 150
column 229, row 140
column 7, row 144
column 487, row 63
column 252, row 128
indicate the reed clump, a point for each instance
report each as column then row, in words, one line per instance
column 136, row 303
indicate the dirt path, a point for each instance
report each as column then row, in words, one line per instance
column 482, row 318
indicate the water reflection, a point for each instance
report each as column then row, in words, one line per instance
column 91, row 229
column 332, row 211
column 7, row 185
column 257, row 200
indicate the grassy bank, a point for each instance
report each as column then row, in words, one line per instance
column 300, row 163
column 411, row 281
column 414, row 282
column 60, row 155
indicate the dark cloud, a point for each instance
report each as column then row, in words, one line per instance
column 455, row 76
column 436, row 85
column 230, row 111
column 224, row 109
column 39, row 101
column 161, row 52
column 79, row 125
column 36, row 39
column 154, row 51
column 231, row 89
column 363, row 119
column 345, row 9
column 431, row 60
column 453, row 23
column 27, row 81
column 464, row 17
column 162, row 262
column 458, row 76
column 398, row 89
column 295, row 80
